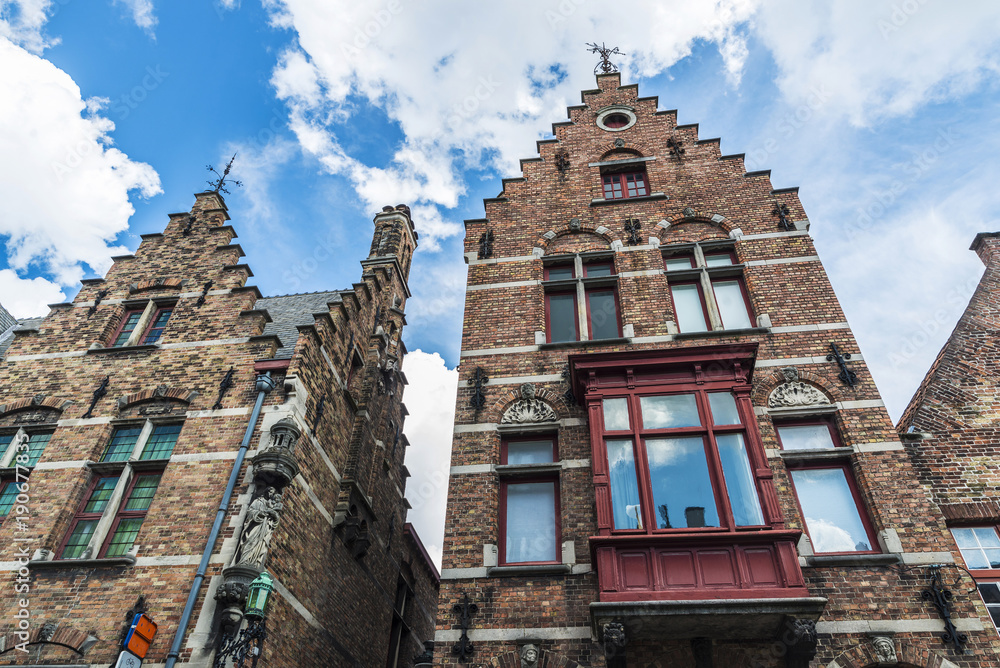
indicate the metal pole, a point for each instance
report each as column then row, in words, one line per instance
column 264, row 385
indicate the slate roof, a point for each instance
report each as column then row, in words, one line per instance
column 9, row 324
column 6, row 319
column 288, row 311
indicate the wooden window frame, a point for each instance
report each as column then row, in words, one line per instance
column 149, row 312
column 521, row 438
column 122, row 514
column 548, row 315
column 706, row 277
column 557, row 538
column 988, row 574
column 622, row 179
column 581, row 285
column 80, row 515
column 121, row 327
column 701, row 299
column 859, row 502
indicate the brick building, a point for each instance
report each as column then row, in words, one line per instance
column 668, row 449
column 950, row 430
column 170, row 433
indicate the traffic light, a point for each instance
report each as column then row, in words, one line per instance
column 140, row 635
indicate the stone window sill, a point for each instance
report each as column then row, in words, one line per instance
column 819, row 561
column 123, row 349
column 722, row 332
column 578, row 344
column 815, row 455
column 527, row 469
column 539, row 569
column 40, row 564
column 621, row 200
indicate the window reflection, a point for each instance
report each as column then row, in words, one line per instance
column 667, row 412
column 682, row 488
column 624, row 486
column 723, row 406
column 830, row 511
column 616, row 414
column 739, row 480
column 532, row 537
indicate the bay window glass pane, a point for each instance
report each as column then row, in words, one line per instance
column 719, row 260
column 531, row 522
column 688, row 310
column 682, row 488
column 805, row 437
column 78, row 540
column 627, row 511
column 529, row 452
column 739, row 480
column 723, row 406
column 603, row 316
column 615, row 414
column 667, row 412
column 831, row 514
column 560, row 273
column 676, row 263
column 562, row 318
column 732, row 307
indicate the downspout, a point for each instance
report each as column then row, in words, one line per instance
column 264, row 385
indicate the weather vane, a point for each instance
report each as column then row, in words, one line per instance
column 219, row 184
column 605, row 66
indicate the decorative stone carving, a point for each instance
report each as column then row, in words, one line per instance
column 529, row 656
column 800, row 637
column 527, row 391
column 275, row 465
column 262, row 518
column 232, row 595
column 47, row 631
column 796, row 393
column 574, row 225
column 613, row 637
column 790, row 373
column 688, row 212
column 885, row 650
column 528, row 410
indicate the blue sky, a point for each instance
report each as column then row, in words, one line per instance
column 883, row 112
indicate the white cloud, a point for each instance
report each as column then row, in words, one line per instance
column 27, row 298
column 21, row 22
column 430, row 400
column 66, row 195
column 142, row 13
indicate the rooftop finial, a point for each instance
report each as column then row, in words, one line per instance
column 219, row 184
column 605, row 66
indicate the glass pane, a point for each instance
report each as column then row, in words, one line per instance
column 161, row 442
column 603, row 315
column 990, row 592
column 5, row 440
column 688, row 310
column 154, row 333
column 666, row 412
column 78, row 540
column 124, row 537
column 99, row 498
column 131, row 320
column 560, row 273
column 36, row 445
column 562, row 318
column 121, row 444
column 598, row 270
column 529, row 452
column 615, row 414
column 682, row 488
column 531, row 522
column 142, row 493
column 740, row 482
column 831, row 513
column 719, row 260
column 624, row 486
column 965, row 537
column 974, row 558
column 675, row 263
column 723, row 406
column 987, row 536
column 732, row 307
column 993, row 556
column 7, row 496
column 805, row 437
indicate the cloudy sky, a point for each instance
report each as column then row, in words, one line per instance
column 110, row 110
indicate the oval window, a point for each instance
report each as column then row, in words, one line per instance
column 616, row 120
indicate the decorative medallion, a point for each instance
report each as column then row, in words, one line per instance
column 796, row 393
column 885, row 650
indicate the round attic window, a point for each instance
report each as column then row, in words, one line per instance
column 616, row 119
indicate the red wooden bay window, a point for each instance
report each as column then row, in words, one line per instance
column 529, row 503
column 686, row 504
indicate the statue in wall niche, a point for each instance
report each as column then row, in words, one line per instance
column 262, row 518
column 529, row 656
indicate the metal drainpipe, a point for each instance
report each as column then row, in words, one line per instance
column 264, row 385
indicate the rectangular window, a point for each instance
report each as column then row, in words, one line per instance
column 130, row 516
column 625, row 185
column 559, row 272
column 121, row 445
column 8, row 493
column 831, row 508
column 685, row 465
column 807, row 436
column 85, row 522
column 161, row 442
column 980, row 548
column 529, row 516
column 129, row 322
column 36, row 446
column 602, row 312
column 714, row 298
column 595, row 287
column 157, row 325
column 561, row 316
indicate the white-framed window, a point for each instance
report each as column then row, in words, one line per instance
column 980, row 548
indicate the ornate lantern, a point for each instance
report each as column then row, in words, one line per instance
column 258, row 596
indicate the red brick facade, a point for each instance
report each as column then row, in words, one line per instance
column 340, row 552
column 734, row 579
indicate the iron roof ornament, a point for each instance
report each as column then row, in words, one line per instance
column 605, row 66
column 219, row 184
